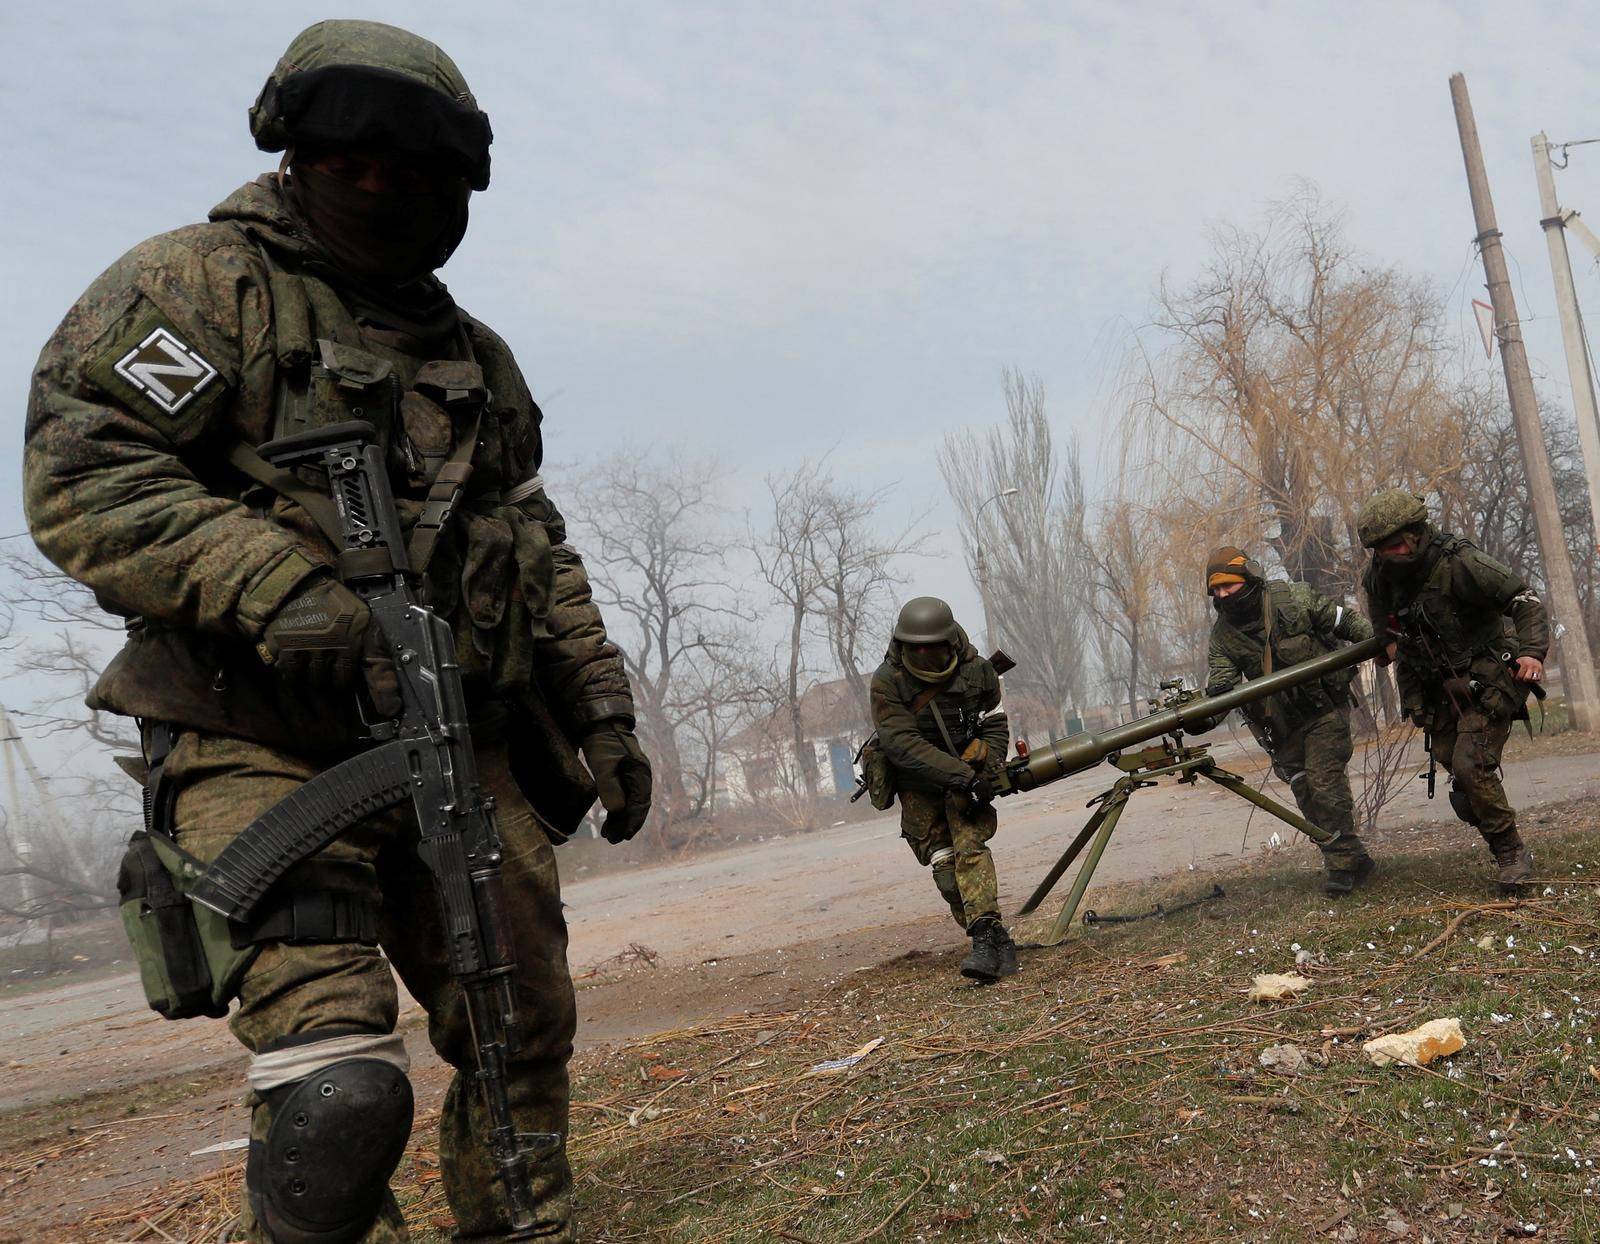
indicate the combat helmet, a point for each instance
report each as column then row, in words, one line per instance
column 925, row 620
column 359, row 83
column 1392, row 510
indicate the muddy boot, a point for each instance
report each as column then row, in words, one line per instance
column 1342, row 880
column 983, row 962
column 1008, row 951
column 1516, row 864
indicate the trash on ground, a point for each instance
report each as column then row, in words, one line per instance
column 227, row 1146
column 1288, row 1059
column 1419, row 1047
column 1272, row 987
column 835, row 1065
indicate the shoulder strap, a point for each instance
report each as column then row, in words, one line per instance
column 317, row 504
column 443, row 494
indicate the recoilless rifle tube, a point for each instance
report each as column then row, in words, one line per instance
column 1084, row 751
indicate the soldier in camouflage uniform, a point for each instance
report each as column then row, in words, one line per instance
column 934, row 702
column 1265, row 625
column 308, row 299
column 1471, row 639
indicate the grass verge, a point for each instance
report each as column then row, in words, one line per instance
column 1115, row 1089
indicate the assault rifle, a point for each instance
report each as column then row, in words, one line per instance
column 425, row 755
column 1178, row 709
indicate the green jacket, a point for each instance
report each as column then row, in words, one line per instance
column 913, row 744
column 1298, row 623
column 1464, row 616
column 236, row 331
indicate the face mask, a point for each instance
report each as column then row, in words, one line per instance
column 393, row 236
column 932, row 666
column 1407, row 565
column 1242, row 606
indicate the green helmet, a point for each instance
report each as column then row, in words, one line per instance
column 925, row 620
column 355, row 83
column 1390, row 511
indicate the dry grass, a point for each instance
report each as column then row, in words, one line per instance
column 1114, row 1089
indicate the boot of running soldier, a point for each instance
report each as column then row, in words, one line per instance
column 983, row 961
column 1515, row 863
column 1008, row 951
column 1344, row 875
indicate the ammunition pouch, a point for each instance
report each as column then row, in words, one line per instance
column 188, row 963
column 192, row 959
column 877, row 773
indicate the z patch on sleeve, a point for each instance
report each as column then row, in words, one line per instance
column 167, row 371
column 161, row 375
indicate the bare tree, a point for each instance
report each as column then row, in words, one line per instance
column 855, row 569
column 1033, row 542
column 658, row 568
column 1315, row 377
column 1123, row 601
column 785, row 554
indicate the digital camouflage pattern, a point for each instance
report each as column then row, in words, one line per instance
column 222, row 784
column 1462, row 618
column 126, row 488
column 1390, row 511
column 1306, row 730
column 946, row 831
column 1313, row 761
column 235, row 331
column 1297, row 623
column 279, row 117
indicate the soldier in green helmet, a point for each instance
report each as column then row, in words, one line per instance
column 1263, row 625
column 309, row 298
column 936, row 706
column 1470, row 644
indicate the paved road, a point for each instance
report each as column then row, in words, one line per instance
column 762, row 898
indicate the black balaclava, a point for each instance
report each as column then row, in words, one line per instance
column 387, row 238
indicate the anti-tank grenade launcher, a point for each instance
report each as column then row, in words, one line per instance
column 1178, row 709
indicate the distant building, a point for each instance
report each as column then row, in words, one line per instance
column 834, row 722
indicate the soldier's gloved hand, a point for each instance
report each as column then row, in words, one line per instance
column 622, row 774
column 325, row 635
column 980, row 789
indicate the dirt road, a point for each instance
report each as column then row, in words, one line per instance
column 750, row 929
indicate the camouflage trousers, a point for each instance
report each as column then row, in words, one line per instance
column 296, row 989
column 950, row 833
column 1313, row 761
column 1469, row 748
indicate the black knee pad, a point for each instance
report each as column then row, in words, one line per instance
column 1463, row 805
column 334, row 1140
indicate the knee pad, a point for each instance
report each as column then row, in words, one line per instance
column 1460, row 801
column 335, row 1138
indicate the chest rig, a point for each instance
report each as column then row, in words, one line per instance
column 460, row 469
column 428, row 422
column 1289, row 636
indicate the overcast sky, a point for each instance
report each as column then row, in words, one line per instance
column 765, row 230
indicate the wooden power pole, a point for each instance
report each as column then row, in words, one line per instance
column 1577, row 667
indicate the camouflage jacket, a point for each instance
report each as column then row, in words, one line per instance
column 233, row 332
column 913, row 744
column 1298, row 623
column 1465, row 616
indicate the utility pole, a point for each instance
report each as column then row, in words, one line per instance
column 1554, row 223
column 1576, row 665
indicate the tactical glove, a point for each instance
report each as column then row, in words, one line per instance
column 981, row 789
column 622, row 774
column 325, row 635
